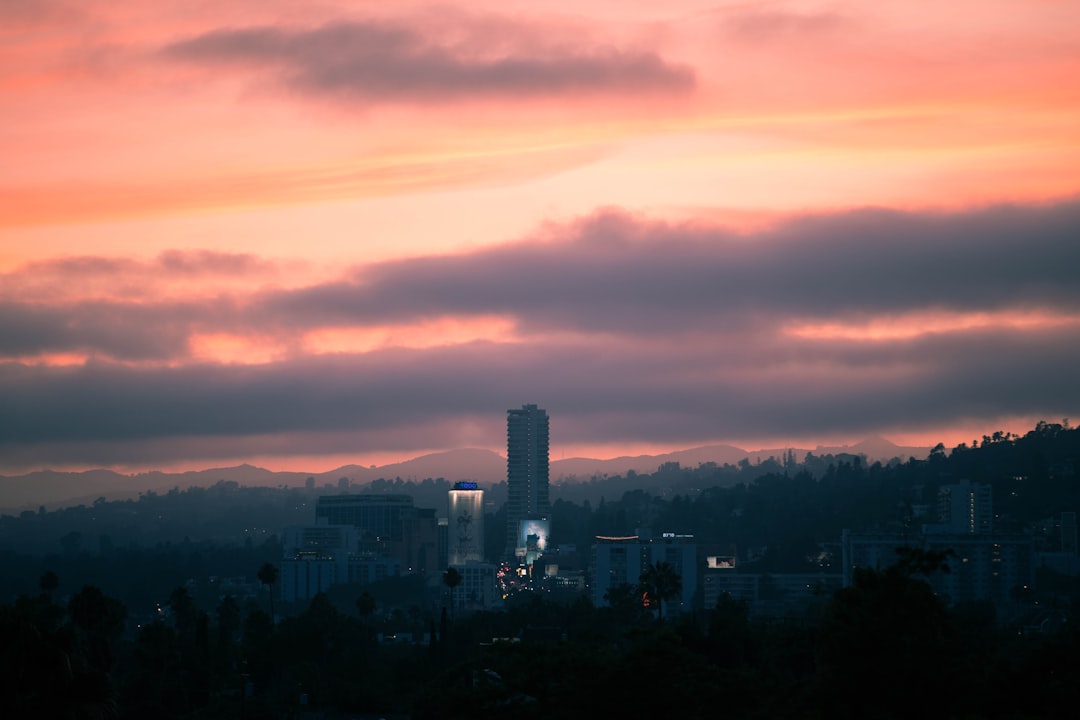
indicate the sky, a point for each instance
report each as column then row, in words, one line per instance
column 309, row 233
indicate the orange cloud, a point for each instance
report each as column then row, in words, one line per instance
column 434, row 333
column 891, row 328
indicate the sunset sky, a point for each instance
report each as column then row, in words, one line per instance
column 308, row 233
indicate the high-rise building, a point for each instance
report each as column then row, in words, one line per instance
column 526, row 471
column 465, row 525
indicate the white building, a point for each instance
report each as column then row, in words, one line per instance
column 465, row 524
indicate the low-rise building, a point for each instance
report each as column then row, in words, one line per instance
column 622, row 560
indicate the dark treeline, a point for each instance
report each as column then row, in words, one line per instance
column 125, row 609
column 886, row 647
column 791, row 510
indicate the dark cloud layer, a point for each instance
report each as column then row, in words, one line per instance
column 666, row 333
column 644, row 394
column 613, row 275
column 379, row 60
column 113, row 329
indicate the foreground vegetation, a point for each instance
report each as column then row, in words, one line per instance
column 886, row 647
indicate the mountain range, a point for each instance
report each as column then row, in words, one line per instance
column 54, row 489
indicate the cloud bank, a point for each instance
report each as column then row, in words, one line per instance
column 626, row 329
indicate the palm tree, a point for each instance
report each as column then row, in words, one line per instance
column 49, row 582
column 365, row 604
column 658, row 583
column 452, row 578
column 228, row 621
column 268, row 575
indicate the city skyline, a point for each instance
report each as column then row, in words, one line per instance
column 305, row 236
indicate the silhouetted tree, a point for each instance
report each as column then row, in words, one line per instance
column 184, row 613
column 658, row 583
column 157, row 687
column 268, row 575
column 885, row 635
column 228, row 621
column 53, row 667
column 101, row 619
column 257, row 643
column 624, row 605
column 48, row 582
column 730, row 640
column 365, row 604
column 452, row 578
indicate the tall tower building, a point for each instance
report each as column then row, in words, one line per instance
column 465, row 526
column 526, row 471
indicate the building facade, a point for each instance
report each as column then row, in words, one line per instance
column 776, row 594
column 465, row 524
column 527, row 471
column 964, row 507
column 622, row 560
column 388, row 525
column 988, row 566
column 478, row 589
column 315, row 558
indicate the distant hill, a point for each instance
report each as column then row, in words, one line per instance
column 482, row 466
column 585, row 468
column 874, row 449
column 57, row 489
column 54, row 489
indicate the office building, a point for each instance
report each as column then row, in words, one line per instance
column 315, row 558
column 622, row 560
column 389, row 526
column 478, row 589
column 526, row 471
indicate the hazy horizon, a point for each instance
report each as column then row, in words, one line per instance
column 62, row 487
column 294, row 464
column 318, row 464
